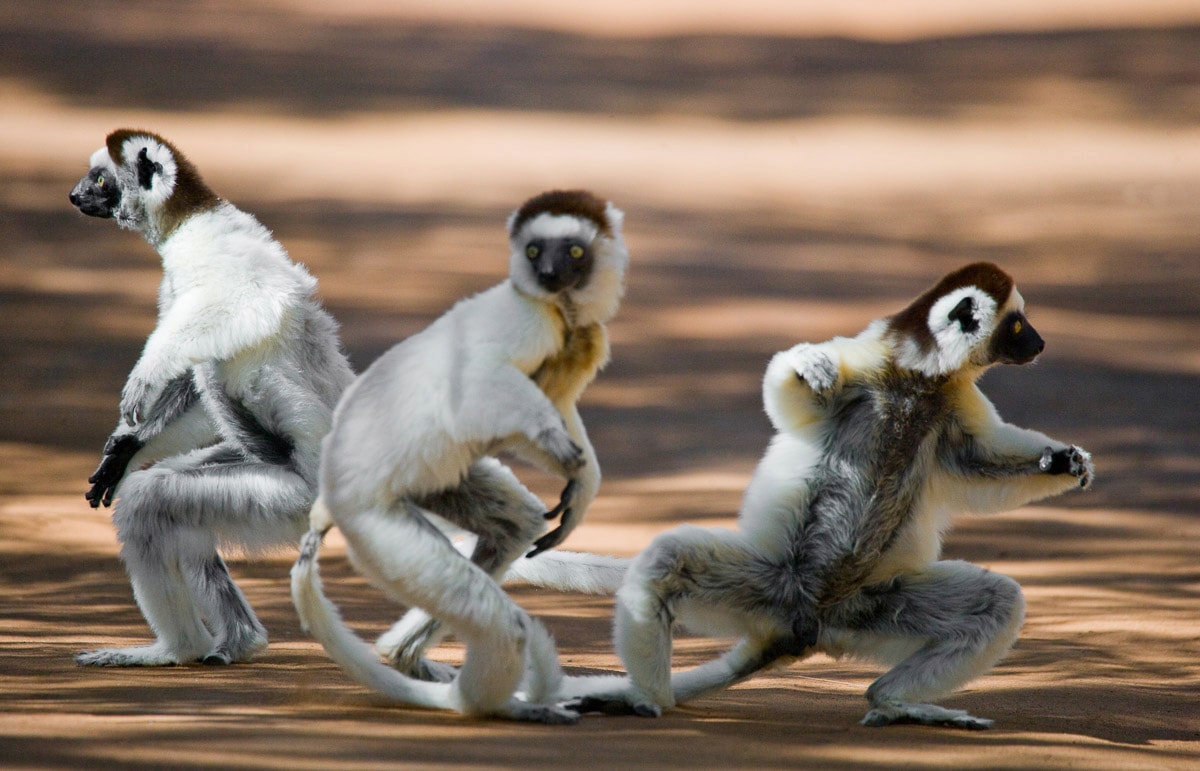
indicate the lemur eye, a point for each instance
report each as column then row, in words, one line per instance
column 531, row 251
column 1017, row 327
column 100, row 181
column 576, row 252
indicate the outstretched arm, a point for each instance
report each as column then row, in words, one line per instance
column 994, row 466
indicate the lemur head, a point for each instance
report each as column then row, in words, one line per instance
column 144, row 182
column 970, row 320
column 567, row 248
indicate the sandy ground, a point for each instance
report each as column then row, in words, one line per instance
column 786, row 176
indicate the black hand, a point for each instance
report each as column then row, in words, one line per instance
column 117, row 453
column 1059, row 462
column 564, row 500
column 805, row 631
column 558, row 534
column 551, row 539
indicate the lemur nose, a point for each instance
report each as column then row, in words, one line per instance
column 74, row 198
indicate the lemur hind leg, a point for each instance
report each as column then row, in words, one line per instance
column 942, row 628
column 169, row 519
column 402, row 553
column 506, row 517
column 709, row 579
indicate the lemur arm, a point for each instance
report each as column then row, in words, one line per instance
column 177, row 398
column 200, row 325
column 580, row 491
column 796, row 384
column 991, row 466
column 503, row 410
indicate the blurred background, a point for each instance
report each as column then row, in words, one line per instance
column 789, row 170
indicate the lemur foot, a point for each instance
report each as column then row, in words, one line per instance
column 404, row 648
column 540, row 713
column 139, row 656
column 613, row 704
column 893, row 713
column 237, row 649
column 429, row 671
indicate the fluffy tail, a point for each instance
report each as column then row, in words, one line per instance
column 571, row 571
column 321, row 618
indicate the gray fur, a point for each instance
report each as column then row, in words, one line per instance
column 880, row 439
column 413, row 448
column 229, row 443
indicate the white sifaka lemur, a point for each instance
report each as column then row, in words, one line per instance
column 882, row 438
column 413, row 446
column 222, row 416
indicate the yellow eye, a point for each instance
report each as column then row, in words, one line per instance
column 100, row 181
column 576, row 252
column 1017, row 327
column 531, row 252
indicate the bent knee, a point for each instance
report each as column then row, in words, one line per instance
column 139, row 509
column 674, row 553
column 1004, row 598
column 1009, row 605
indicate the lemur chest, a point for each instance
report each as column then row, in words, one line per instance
column 564, row 374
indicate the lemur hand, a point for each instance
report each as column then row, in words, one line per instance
column 805, row 631
column 136, row 400
column 564, row 510
column 814, row 366
column 558, row 443
column 118, row 451
column 1073, row 460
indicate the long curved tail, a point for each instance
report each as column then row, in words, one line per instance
column 571, row 571
column 321, row 618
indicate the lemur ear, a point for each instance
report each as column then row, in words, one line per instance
column 964, row 314
column 146, row 169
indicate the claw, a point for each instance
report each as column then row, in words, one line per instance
column 564, row 500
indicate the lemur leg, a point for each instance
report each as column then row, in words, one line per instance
column 616, row 695
column 944, row 626
column 407, row 557
column 169, row 519
column 706, row 576
column 492, row 503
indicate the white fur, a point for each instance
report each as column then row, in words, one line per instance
column 163, row 183
column 421, row 424
column 794, row 386
column 570, row 571
column 237, row 320
column 101, row 158
column 548, row 225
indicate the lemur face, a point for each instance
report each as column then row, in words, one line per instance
column 1015, row 341
column 555, row 241
column 559, row 264
column 98, row 194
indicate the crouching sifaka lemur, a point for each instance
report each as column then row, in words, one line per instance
column 882, row 438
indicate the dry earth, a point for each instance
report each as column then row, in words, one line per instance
column 786, row 177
